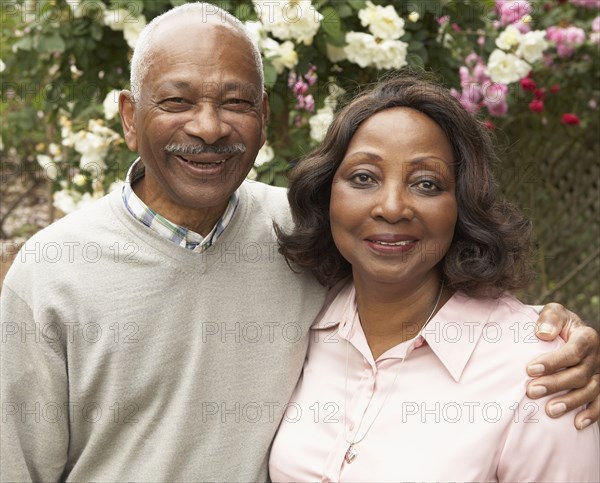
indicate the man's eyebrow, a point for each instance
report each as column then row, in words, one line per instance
column 232, row 86
column 179, row 84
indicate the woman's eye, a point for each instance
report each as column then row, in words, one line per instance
column 362, row 179
column 428, row 185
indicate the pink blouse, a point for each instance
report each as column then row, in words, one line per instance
column 454, row 410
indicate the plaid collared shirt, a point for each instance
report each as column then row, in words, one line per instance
column 177, row 234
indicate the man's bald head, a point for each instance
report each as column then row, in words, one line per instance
column 206, row 14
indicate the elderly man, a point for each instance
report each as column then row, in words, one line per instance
column 165, row 341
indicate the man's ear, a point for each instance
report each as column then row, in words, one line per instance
column 265, row 114
column 127, row 111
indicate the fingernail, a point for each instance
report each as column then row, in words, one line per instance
column 557, row 409
column 537, row 391
column 535, row 369
column 585, row 423
column 545, row 328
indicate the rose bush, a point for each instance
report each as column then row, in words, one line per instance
column 530, row 70
column 63, row 63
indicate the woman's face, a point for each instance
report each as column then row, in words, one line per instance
column 393, row 203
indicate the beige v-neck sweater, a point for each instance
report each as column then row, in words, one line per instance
column 126, row 358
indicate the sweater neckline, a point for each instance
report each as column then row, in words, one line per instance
column 203, row 259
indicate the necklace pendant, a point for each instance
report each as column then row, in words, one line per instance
column 351, row 454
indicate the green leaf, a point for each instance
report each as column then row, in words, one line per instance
column 270, row 73
column 244, row 13
column 434, row 7
column 96, row 31
column 280, row 180
column 276, row 104
column 331, row 22
column 344, row 11
column 417, row 60
column 357, row 4
column 24, row 44
column 52, row 43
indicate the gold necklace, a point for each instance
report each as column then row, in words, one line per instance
column 352, row 452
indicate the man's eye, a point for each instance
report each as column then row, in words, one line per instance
column 174, row 104
column 238, row 104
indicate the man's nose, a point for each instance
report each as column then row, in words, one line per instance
column 206, row 122
column 393, row 203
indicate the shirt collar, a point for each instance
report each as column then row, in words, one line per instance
column 171, row 231
column 452, row 333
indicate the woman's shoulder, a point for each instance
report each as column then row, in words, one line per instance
column 506, row 325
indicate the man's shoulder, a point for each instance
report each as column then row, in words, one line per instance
column 55, row 248
column 75, row 224
column 267, row 193
column 269, row 200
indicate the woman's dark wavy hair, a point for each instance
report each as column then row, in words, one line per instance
column 491, row 246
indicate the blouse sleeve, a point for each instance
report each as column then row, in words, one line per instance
column 539, row 448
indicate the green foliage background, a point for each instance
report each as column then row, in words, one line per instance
column 61, row 60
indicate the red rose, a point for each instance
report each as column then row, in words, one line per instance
column 540, row 94
column 536, row 105
column 570, row 119
column 528, row 84
column 555, row 88
column 489, row 124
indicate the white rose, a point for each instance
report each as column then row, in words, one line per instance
column 49, row 166
column 335, row 92
column 66, row 200
column 335, row 54
column 383, row 22
column 68, row 138
column 281, row 55
column 115, row 19
column 390, row 54
column 319, row 123
column 2, row 66
column 256, row 31
column 54, row 150
column 509, row 38
column 265, row 155
column 359, row 48
column 252, row 174
column 532, row 46
column 111, row 104
column 289, row 20
column 93, row 161
column 132, row 30
column 79, row 179
column 414, row 17
column 93, row 149
column 506, row 68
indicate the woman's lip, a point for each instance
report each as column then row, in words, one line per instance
column 390, row 238
column 391, row 247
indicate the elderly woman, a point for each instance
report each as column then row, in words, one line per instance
column 414, row 366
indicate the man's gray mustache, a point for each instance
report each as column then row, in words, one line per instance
column 205, row 149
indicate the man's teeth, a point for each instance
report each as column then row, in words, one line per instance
column 394, row 244
column 215, row 163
